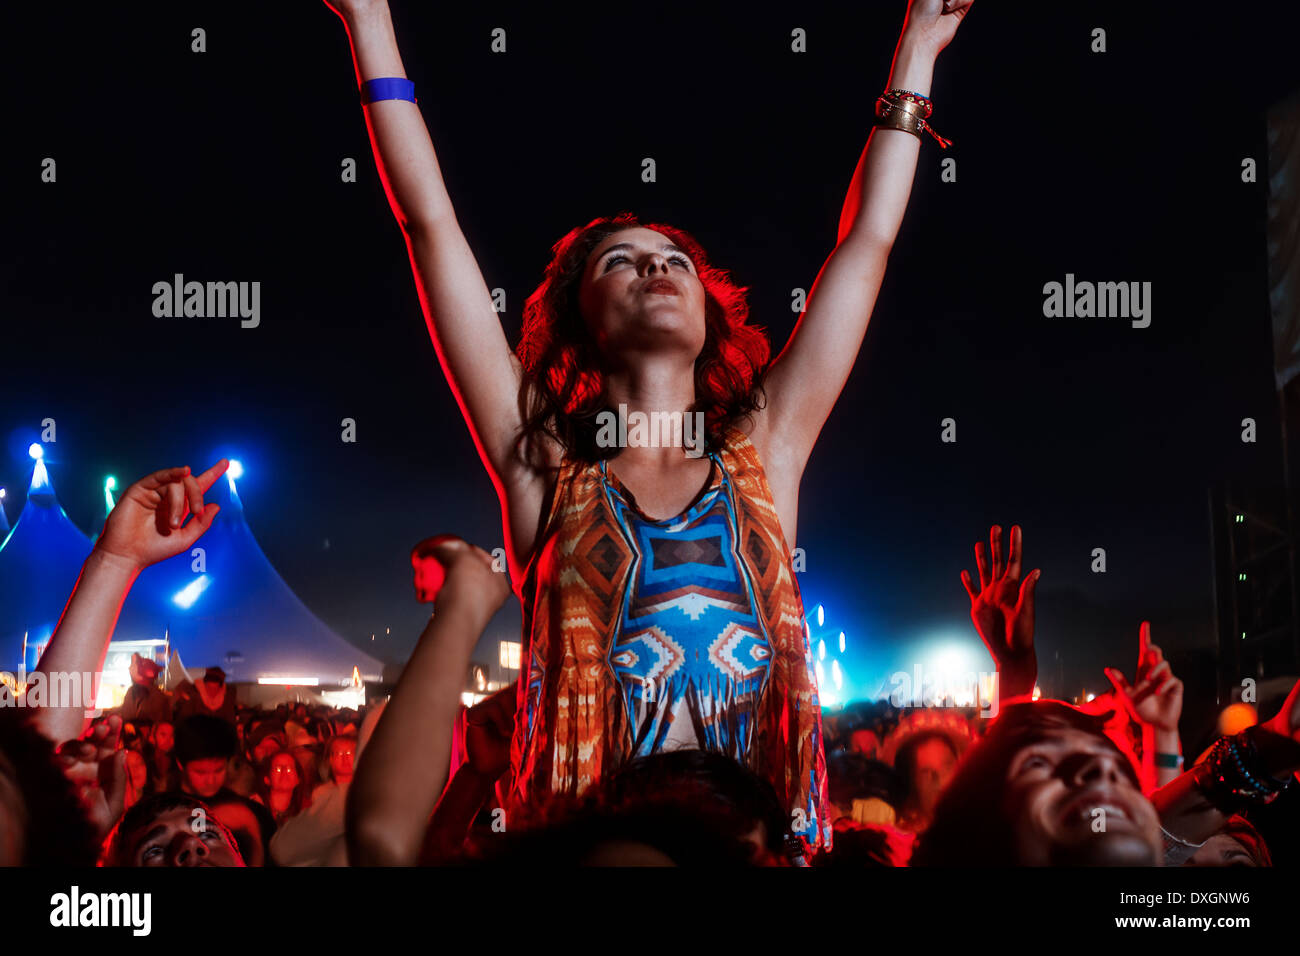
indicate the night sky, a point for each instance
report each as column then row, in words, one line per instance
column 225, row 166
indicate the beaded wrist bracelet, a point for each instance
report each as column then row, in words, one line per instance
column 908, row 111
column 907, row 96
column 1231, row 776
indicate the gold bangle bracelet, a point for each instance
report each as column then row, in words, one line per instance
column 895, row 119
column 908, row 107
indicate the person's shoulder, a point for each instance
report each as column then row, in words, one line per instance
column 257, row 808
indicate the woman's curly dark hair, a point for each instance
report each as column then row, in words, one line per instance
column 565, row 386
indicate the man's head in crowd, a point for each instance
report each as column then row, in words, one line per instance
column 1237, row 844
column 265, row 739
column 41, row 820
column 653, row 832
column 863, row 740
column 143, row 670
column 1045, row 787
column 680, row 808
column 172, row 829
column 342, row 753
column 204, row 777
column 204, row 745
column 164, row 737
column 711, row 782
column 862, row 789
column 926, row 763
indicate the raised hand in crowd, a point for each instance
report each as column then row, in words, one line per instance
column 393, row 792
column 96, row 767
column 147, row 525
column 1155, row 701
column 1002, row 610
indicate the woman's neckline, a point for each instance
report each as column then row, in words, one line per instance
column 712, row 481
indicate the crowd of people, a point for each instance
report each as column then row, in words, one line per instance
column 667, row 710
column 193, row 778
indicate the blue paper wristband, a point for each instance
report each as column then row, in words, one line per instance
column 387, row 88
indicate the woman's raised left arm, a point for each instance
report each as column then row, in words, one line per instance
column 806, row 378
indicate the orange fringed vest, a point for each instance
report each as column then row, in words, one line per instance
column 575, row 720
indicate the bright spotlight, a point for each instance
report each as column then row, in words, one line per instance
column 187, row 595
column 35, row 450
column 2, row 492
column 236, row 469
column 110, row 483
column 841, row 642
column 821, row 615
column 821, row 650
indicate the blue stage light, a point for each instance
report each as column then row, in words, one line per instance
column 187, row 595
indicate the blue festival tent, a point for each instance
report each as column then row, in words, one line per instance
column 40, row 561
column 223, row 604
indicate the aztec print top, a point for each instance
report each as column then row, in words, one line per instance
column 642, row 636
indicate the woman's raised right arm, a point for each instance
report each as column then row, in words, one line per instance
column 483, row 372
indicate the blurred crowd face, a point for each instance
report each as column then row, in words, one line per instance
column 343, row 752
column 864, row 742
column 428, row 575
column 177, row 838
column 204, row 778
column 1222, row 850
column 935, row 762
column 1073, row 800
column 283, row 772
column 13, row 816
column 138, row 769
column 266, row 746
column 164, row 737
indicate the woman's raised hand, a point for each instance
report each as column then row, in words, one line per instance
column 350, row 9
column 148, row 524
column 933, row 23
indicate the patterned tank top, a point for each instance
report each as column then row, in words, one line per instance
column 642, row 636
